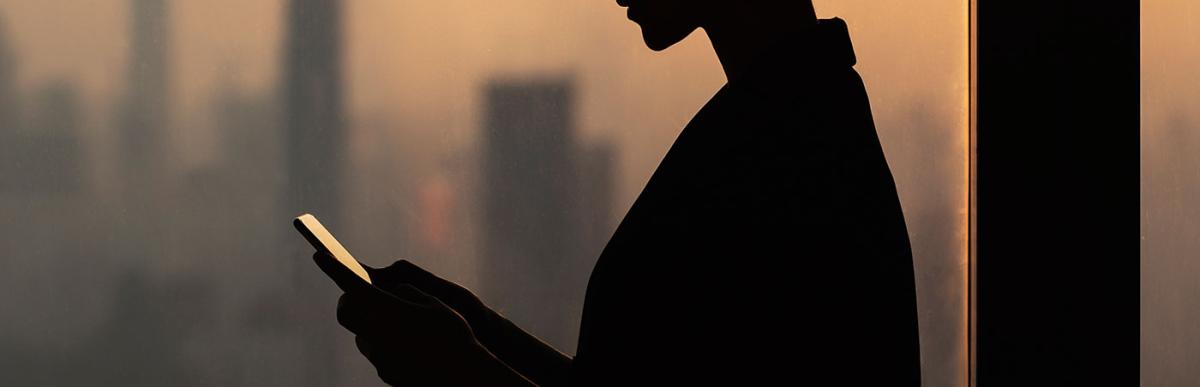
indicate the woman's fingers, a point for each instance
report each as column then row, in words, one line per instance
column 341, row 275
column 405, row 272
column 369, row 310
column 406, row 293
column 386, row 364
column 355, row 314
column 370, row 314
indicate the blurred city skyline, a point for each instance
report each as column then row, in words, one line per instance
column 414, row 75
column 214, row 244
column 411, row 64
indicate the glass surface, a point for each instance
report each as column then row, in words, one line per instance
column 154, row 153
column 1170, row 192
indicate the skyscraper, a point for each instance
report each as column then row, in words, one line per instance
column 314, row 121
column 314, row 154
column 9, row 128
column 54, row 132
column 543, row 192
column 143, row 182
column 8, row 81
column 145, row 110
column 10, row 120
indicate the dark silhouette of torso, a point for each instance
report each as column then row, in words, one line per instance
column 769, row 247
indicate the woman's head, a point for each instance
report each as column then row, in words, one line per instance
column 666, row 22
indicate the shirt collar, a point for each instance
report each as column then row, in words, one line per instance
column 793, row 61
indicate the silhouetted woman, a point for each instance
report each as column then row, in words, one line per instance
column 768, row 248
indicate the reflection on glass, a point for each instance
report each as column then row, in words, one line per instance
column 154, row 151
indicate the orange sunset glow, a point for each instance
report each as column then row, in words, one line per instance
column 413, row 77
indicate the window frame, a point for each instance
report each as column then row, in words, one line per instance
column 1054, row 242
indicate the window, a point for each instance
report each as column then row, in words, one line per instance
column 154, row 152
column 1170, row 188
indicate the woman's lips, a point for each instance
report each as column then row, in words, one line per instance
column 631, row 11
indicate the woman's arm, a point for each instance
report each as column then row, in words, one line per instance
column 413, row 339
column 503, row 340
column 522, row 351
column 490, row 371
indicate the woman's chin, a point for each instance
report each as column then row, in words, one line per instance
column 658, row 46
column 660, row 42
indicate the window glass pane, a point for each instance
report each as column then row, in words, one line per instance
column 1170, row 188
column 913, row 57
column 154, row 151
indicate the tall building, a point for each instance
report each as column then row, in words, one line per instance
column 10, row 110
column 143, row 183
column 541, row 194
column 9, row 131
column 8, row 80
column 55, row 133
column 145, row 110
column 313, row 108
column 314, row 155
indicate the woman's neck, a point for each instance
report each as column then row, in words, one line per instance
column 740, row 41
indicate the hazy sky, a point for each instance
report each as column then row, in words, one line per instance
column 415, row 72
column 414, row 69
column 1170, row 101
column 1170, row 61
column 420, row 64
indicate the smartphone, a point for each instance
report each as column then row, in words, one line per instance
column 323, row 241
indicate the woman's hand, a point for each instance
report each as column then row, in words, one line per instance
column 412, row 338
column 403, row 274
column 521, row 351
